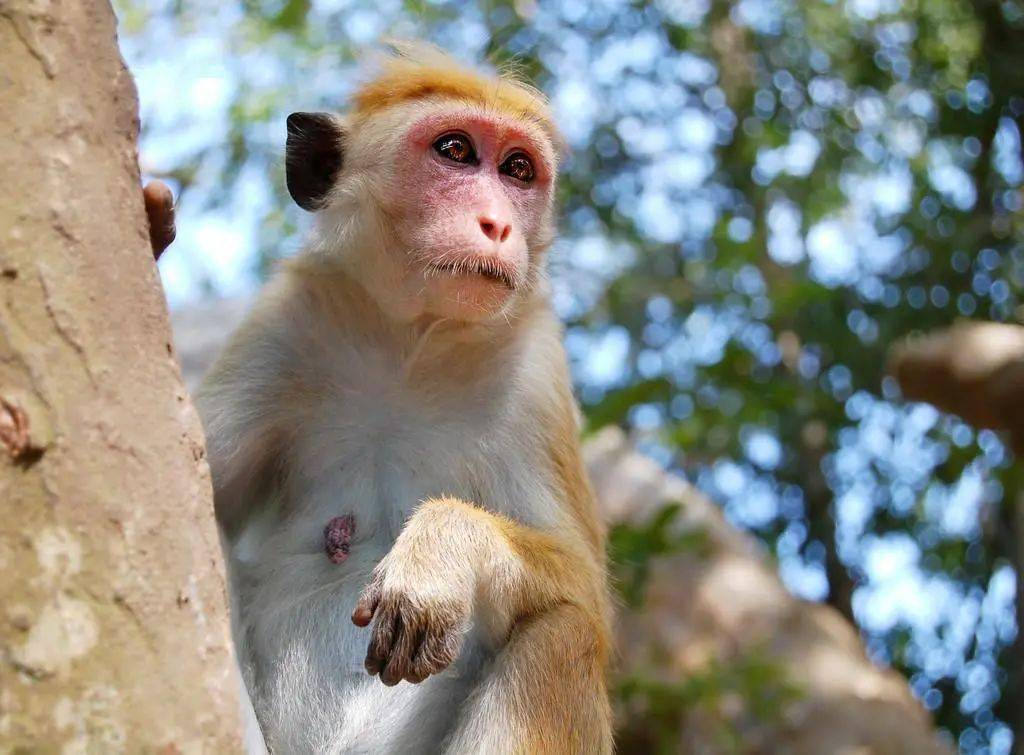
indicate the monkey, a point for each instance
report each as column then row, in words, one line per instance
column 415, row 559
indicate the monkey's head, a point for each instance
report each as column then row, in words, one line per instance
column 435, row 190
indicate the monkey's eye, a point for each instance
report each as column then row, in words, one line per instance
column 455, row 147
column 518, row 166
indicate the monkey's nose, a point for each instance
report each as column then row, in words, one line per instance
column 495, row 230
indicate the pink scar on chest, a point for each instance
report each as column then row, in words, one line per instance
column 338, row 537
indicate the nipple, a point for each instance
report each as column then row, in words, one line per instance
column 338, row 537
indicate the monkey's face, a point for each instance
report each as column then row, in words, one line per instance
column 453, row 203
column 469, row 197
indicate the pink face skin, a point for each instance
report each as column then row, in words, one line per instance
column 468, row 228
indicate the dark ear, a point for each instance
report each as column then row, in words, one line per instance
column 313, row 156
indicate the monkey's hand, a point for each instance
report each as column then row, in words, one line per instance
column 455, row 562
column 421, row 597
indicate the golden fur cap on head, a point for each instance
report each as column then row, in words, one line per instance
column 417, row 70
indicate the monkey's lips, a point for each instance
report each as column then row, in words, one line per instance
column 489, row 268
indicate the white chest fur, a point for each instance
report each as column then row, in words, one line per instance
column 372, row 448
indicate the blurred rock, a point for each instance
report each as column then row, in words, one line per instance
column 725, row 604
column 973, row 369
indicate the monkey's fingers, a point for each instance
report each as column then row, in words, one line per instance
column 437, row 649
column 367, row 604
column 385, row 630
column 399, row 663
column 160, row 211
column 417, row 672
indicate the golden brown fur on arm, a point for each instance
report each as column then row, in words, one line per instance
column 546, row 692
column 537, row 596
column 549, row 682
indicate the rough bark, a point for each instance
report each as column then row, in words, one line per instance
column 707, row 607
column 113, row 625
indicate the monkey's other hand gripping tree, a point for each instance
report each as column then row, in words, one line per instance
column 113, row 622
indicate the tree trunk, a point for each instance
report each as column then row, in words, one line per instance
column 113, row 620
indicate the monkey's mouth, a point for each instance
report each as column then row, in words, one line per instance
column 485, row 267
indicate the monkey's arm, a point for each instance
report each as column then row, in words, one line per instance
column 539, row 595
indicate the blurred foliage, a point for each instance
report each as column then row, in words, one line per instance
column 759, row 198
column 734, row 700
column 631, row 549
